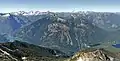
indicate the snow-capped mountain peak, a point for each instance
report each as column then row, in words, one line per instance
column 29, row 13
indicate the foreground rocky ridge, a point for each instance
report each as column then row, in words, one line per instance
column 21, row 51
column 95, row 55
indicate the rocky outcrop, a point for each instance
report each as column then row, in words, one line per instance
column 5, row 56
column 94, row 55
column 21, row 51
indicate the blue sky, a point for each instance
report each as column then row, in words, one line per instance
column 60, row 5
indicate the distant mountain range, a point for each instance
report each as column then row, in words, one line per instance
column 65, row 31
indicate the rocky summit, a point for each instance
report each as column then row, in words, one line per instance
column 94, row 55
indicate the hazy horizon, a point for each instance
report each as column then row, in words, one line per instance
column 60, row 5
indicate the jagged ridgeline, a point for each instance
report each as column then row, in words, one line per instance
column 22, row 51
column 94, row 55
column 65, row 31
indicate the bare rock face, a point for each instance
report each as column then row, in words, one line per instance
column 4, row 56
column 94, row 55
column 59, row 33
column 118, row 54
